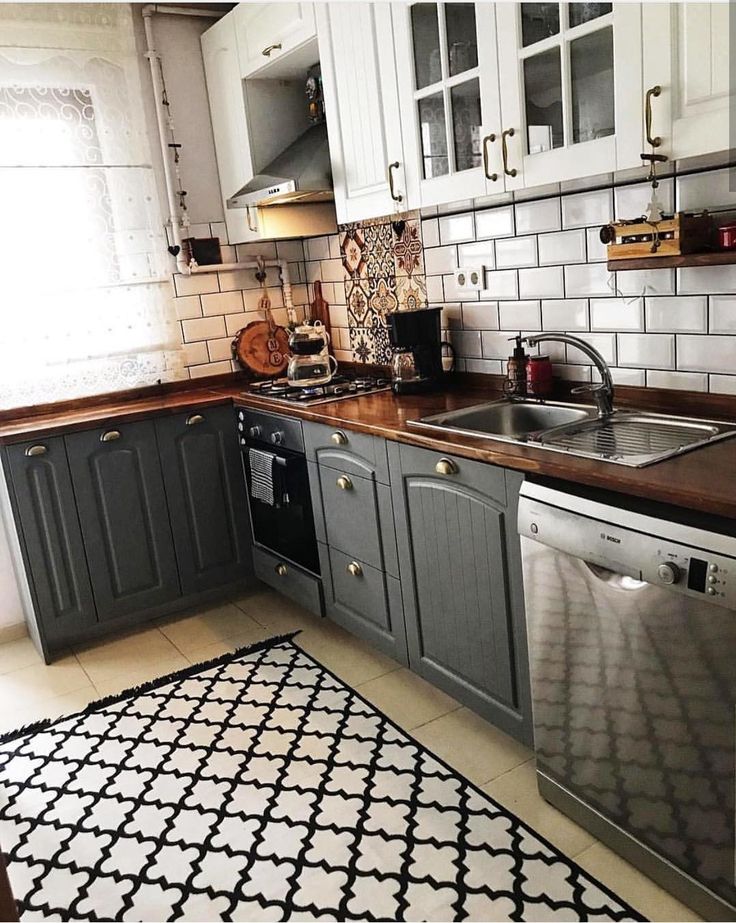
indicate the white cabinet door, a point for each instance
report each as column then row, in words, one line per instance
column 362, row 106
column 686, row 53
column 229, row 123
column 267, row 31
column 570, row 79
column 448, row 90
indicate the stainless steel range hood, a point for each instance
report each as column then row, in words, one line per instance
column 300, row 175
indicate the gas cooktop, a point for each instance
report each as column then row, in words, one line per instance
column 339, row 388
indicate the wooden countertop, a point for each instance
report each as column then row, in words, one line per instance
column 702, row 480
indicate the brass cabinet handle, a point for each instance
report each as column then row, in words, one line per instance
column 281, row 569
column 489, row 139
column 269, row 48
column 391, row 167
column 344, row 482
column 339, row 438
column 354, row 569
column 652, row 91
column 446, row 466
column 508, row 133
column 110, row 436
column 35, row 450
column 194, row 419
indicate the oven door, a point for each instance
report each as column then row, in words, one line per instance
column 287, row 529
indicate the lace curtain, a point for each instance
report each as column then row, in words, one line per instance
column 85, row 293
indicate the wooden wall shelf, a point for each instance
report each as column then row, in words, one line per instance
column 716, row 258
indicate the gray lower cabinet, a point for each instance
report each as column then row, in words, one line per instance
column 461, row 581
column 205, row 489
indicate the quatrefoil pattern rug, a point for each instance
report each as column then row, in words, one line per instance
column 260, row 787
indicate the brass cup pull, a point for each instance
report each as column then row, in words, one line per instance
column 194, row 419
column 652, row 91
column 110, row 436
column 269, row 48
column 33, row 451
column 281, row 569
column 508, row 133
column 445, row 466
column 489, row 139
column 344, row 482
column 339, row 438
column 354, row 569
column 397, row 197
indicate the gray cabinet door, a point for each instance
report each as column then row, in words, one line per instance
column 455, row 538
column 46, row 514
column 117, row 481
column 205, row 488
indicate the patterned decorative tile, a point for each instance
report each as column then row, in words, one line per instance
column 363, row 344
column 379, row 250
column 411, row 292
column 356, row 295
column 381, row 343
column 352, row 248
column 382, row 295
column 408, row 254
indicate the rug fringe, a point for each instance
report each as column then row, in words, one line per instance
column 44, row 723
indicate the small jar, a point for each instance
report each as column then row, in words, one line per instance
column 539, row 376
column 727, row 237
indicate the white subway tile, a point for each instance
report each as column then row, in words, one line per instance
column 479, row 253
column 565, row 315
column 219, row 349
column 203, row 328
column 452, row 316
column 195, row 353
column 605, row 343
column 685, row 381
column 430, row 232
column 500, row 284
column 646, row 350
column 632, row 201
column 196, row 285
column 677, row 315
column 587, row 208
column 496, row 345
column 710, row 189
column 338, row 315
column 494, row 222
column 545, row 282
column 484, row 366
column 218, row 229
column 535, row 217
column 633, row 377
column 222, row 303
column 452, row 292
column 483, row 315
column 256, row 248
column 722, row 384
column 435, row 291
column 212, row 368
column 332, row 271
column 706, row 353
column 597, row 251
column 235, row 322
column 617, row 314
column 242, row 279
column 588, row 279
column 706, row 280
column 466, row 342
column 519, row 315
column 646, row 282
column 252, row 299
column 571, row 372
column 514, row 252
column 317, row 248
column 563, row 247
column 456, row 228
column 290, row 250
column 188, row 306
column 723, row 314
column 439, row 259
column 334, row 241
column 199, row 231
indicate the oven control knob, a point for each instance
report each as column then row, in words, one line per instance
column 277, row 438
column 668, row 573
column 254, row 432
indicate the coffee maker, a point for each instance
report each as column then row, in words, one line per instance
column 417, row 350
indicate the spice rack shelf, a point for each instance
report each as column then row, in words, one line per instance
column 716, row 258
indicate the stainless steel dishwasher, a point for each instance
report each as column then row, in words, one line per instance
column 632, row 639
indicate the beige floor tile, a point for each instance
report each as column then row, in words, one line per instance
column 277, row 613
column 228, row 645
column 638, row 890
column 137, row 677
column 105, row 660
column 352, row 659
column 19, row 653
column 407, row 699
column 517, row 791
column 23, row 688
column 471, row 745
column 55, row 707
column 200, row 627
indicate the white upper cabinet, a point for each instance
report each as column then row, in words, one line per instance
column 267, row 31
column 686, row 54
column 570, row 78
column 229, row 123
column 448, row 89
column 362, row 107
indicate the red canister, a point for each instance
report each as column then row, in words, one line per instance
column 727, row 237
column 539, row 376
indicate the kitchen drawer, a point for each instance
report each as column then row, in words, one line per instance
column 359, row 518
column 489, row 480
column 270, row 427
column 355, row 453
column 287, row 578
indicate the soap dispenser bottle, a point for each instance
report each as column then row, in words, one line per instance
column 515, row 384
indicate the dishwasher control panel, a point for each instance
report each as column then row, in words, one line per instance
column 700, row 573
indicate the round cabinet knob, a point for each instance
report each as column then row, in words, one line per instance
column 668, row 573
column 339, row 438
column 254, row 432
column 354, row 569
column 277, row 438
column 344, row 482
column 445, row 466
column 282, row 570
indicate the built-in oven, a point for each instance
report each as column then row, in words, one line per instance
column 278, row 486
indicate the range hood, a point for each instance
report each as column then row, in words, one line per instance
column 300, row 175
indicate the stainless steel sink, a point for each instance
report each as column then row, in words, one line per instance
column 623, row 437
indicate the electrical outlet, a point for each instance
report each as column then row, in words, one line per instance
column 469, row 278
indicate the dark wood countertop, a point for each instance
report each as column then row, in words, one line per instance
column 702, row 480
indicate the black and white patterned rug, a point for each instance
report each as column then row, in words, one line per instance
column 259, row 787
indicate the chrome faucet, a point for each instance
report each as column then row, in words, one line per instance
column 603, row 391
